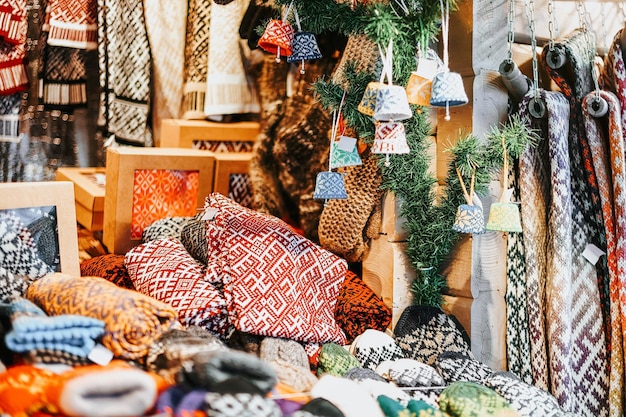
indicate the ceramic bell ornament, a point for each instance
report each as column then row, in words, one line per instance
column 390, row 138
column 419, row 86
column 447, row 88
column 329, row 185
column 469, row 217
column 504, row 215
column 391, row 100
column 278, row 36
column 303, row 46
column 367, row 105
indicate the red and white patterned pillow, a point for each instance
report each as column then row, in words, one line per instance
column 276, row 282
column 163, row 269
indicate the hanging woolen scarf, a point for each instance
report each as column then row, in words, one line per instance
column 165, row 23
column 73, row 23
column 575, row 315
column 517, row 331
column 608, row 155
column 13, row 76
column 127, row 64
column 227, row 88
column 613, row 75
column 196, row 59
column 64, row 81
column 13, row 20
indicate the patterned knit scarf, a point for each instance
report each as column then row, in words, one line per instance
column 126, row 64
column 576, row 334
column 13, row 76
column 227, row 89
column 64, row 81
column 613, row 75
column 73, row 23
column 196, row 59
column 165, row 22
column 608, row 162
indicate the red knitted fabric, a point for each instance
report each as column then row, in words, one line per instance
column 13, row 27
column 73, row 24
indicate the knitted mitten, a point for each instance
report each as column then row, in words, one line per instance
column 373, row 347
column 335, row 360
column 469, row 399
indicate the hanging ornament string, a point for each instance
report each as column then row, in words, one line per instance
column 334, row 129
column 387, row 61
column 469, row 196
column 515, row 82
column 285, row 17
column 445, row 20
column 537, row 107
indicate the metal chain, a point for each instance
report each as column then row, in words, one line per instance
column 582, row 17
column 530, row 13
column 511, row 39
column 551, row 24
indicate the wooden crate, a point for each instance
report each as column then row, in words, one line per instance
column 89, row 187
column 124, row 165
column 179, row 133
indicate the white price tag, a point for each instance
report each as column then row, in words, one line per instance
column 427, row 68
column 100, row 355
column 592, row 253
column 209, row 214
column 346, row 143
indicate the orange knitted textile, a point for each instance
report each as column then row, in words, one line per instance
column 23, row 389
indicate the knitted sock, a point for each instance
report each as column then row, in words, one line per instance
column 335, row 360
column 527, row 399
column 459, row 366
column 359, row 308
column 290, row 361
column 209, row 369
column 423, row 332
column 163, row 228
column 373, row 347
column 133, row 320
column 237, row 397
column 110, row 267
column 196, row 59
column 469, row 399
column 175, row 349
column 73, row 24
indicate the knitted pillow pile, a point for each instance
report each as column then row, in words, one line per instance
column 276, row 282
column 164, row 270
column 359, row 308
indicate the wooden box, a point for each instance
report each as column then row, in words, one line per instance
column 147, row 184
column 29, row 196
column 236, row 136
column 89, row 187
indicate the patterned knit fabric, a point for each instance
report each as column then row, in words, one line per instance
column 18, row 250
column 10, row 107
column 193, row 238
column 227, row 88
column 424, row 332
column 575, row 312
column 13, row 73
column 73, row 23
column 276, row 282
column 606, row 142
column 459, row 366
column 164, row 228
column 64, row 81
column 613, row 75
column 164, row 270
column 196, row 59
column 125, row 65
column 343, row 227
column 359, row 308
column 373, row 347
column 22, row 389
column 469, row 399
column 406, row 372
column 110, row 267
column 336, row 360
column 166, row 24
column 12, row 284
column 133, row 320
column 13, row 20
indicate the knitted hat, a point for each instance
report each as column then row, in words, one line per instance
column 110, row 267
column 335, row 360
column 359, row 308
column 208, row 369
column 162, row 228
column 175, row 349
column 33, row 330
column 407, row 372
column 373, row 346
column 193, row 237
column 423, row 332
column 528, row 399
column 347, row 395
column 460, row 366
column 289, row 360
column 469, row 399
column 238, row 397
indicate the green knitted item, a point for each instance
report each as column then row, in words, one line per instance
column 469, row 399
column 393, row 408
column 335, row 360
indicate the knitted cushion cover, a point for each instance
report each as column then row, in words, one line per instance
column 133, row 320
column 110, row 267
column 606, row 142
column 276, row 282
column 164, row 270
column 359, row 308
column 580, row 385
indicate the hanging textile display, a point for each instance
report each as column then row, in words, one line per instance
column 227, row 88
column 10, row 163
column 73, row 24
column 166, row 23
column 613, row 75
column 196, row 59
column 607, row 152
column 126, row 62
column 64, row 78
column 579, row 385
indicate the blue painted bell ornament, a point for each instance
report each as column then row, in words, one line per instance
column 469, row 219
column 392, row 103
column 448, row 91
column 329, row 185
column 304, row 48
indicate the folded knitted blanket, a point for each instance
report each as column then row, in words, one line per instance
column 133, row 321
column 33, row 330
